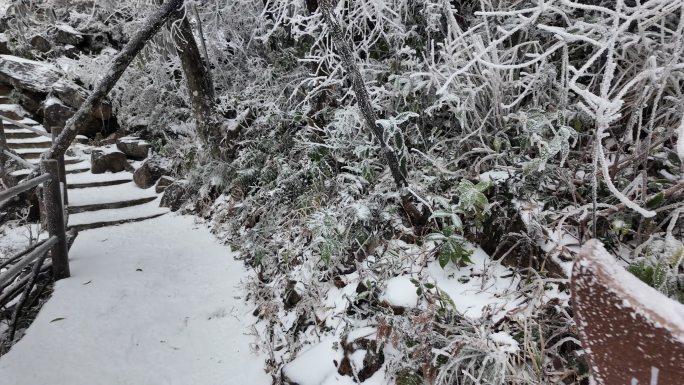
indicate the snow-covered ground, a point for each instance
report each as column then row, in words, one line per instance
column 154, row 302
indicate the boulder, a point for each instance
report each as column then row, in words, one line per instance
column 27, row 74
column 163, row 183
column 150, row 171
column 40, row 43
column 96, row 41
column 112, row 161
column 4, row 45
column 175, row 195
column 67, row 35
column 133, row 147
column 55, row 113
column 13, row 111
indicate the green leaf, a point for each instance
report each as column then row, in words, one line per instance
column 444, row 258
column 399, row 140
column 402, row 166
column 429, row 285
column 656, row 201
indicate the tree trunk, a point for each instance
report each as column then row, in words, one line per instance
column 362, row 97
column 149, row 28
column 416, row 216
column 200, row 87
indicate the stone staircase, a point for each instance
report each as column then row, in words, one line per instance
column 95, row 200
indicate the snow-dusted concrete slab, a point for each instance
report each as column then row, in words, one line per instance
column 108, row 194
column 156, row 302
column 104, row 177
column 107, row 217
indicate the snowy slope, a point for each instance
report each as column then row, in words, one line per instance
column 155, row 302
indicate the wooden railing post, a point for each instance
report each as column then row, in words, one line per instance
column 54, row 210
column 3, row 147
column 60, row 162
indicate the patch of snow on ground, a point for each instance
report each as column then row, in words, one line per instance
column 400, row 292
column 155, row 302
column 315, row 365
column 475, row 287
column 505, row 342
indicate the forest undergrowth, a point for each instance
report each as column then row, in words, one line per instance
column 523, row 129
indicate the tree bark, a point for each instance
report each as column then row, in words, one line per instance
column 200, row 87
column 408, row 202
column 149, row 28
column 359, row 88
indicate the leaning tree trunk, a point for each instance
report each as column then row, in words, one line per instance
column 369, row 115
column 149, row 28
column 200, row 86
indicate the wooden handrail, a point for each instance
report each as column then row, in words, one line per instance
column 19, row 159
column 12, row 272
column 26, row 126
column 24, row 186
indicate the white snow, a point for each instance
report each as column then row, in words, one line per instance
column 86, row 177
column 14, row 108
column 140, row 211
column 315, row 365
column 496, row 176
column 505, row 342
column 469, row 288
column 157, row 302
column 400, row 292
column 108, row 194
column 33, row 140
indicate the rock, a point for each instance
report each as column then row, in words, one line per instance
column 96, row 41
column 291, row 298
column 70, row 51
column 27, row 74
column 175, row 195
column 55, row 113
column 40, row 43
column 150, row 171
column 33, row 102
column 67, row 35
column 13, row 111
column 4, row 45
column 69, row 93
column 113, row 161
column 133, row 147
column 163, row 183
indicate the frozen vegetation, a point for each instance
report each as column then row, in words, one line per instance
column 407, row 182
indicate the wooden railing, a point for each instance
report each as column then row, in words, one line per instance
column 632, row 333
column 52, row 178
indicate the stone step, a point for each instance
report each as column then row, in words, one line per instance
column 20, row 133
column 111, row 217
column 30, row 153
column 5, row 89
column 67, row 160
column 108, row 197
column 29, row 142
column 71, row 168
column 13, row 111
column 5, row 100
column 86, row 179
column 109, row 205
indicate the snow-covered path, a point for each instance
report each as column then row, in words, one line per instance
column 149, row 303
